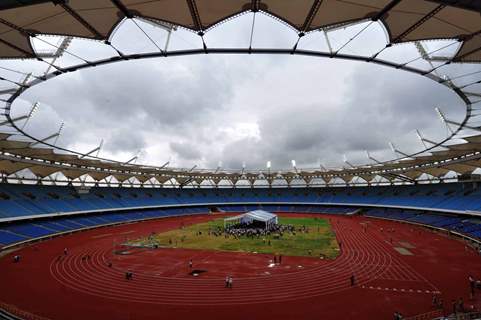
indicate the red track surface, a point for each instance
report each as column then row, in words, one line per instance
column 300, row 288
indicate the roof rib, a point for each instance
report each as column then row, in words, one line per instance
column 385, row 10
column 87, row 25
column 25, row 52
column 419, row 23
column 255, row 5
column 310, row 16
column 123, row 8
column 195, row 16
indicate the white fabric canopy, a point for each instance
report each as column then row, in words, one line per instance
column 256, row 215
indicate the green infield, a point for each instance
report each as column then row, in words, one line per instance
column 312, row 237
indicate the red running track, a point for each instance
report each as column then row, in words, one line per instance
column 75, row 287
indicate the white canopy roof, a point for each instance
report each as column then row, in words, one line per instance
column 258, row 215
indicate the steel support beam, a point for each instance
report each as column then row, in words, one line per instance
column 420, row 22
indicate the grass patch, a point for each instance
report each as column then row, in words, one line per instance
column 319, row 240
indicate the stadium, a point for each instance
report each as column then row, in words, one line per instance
column 87, row 236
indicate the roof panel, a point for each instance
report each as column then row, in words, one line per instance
column 43, row 171
column 143, row 178
column 474, row 139
column 436, row 172
column 470, row 50
column 413, row 174
column 470, row 147
column 97, row 176
column 9, row 167
column 102, row 15
column 448, row 154
column 11, row 144
column 173, row 11
column 460, row 168
column 14, row 44
column 73, row 174
column 293, row 12
column 405, row 15
column 29, row 152
column 408, row 20
column 449, row 22
column 60, row 157
column 122, row 177
column 211, row 12
column 9, row 4
column 45, row 18
column 332, row 12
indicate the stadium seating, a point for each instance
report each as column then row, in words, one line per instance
column 31, row 200
column 30, row 229
column 470, row 226
column 62, row 209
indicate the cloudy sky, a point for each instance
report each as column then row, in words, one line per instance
column 209, row 109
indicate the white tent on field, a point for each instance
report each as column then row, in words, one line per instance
column 269, row 219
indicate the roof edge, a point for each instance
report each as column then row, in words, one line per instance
column 10, row 4
column 473, row 5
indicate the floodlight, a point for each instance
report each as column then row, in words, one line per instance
column 419, row 135
column 440, row 114
column 34, row 109
column 392, row 147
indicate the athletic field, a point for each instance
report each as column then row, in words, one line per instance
column 318, row 239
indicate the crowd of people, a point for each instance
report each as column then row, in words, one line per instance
column 253, row 231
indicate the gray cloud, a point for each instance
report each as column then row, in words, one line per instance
column 377, row 106
column 186, row 150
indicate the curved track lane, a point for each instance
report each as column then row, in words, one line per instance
column 363, row 255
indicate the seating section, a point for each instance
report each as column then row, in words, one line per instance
column 30, row 200
column 468, row 225
column 101, row 205
column 30, row 229
column 292, row 208
column 14, row 232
